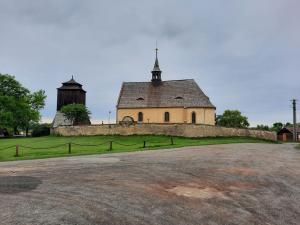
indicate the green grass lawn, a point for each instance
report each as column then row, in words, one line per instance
column 36, row 148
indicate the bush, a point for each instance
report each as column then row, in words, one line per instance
column 5, row 132
column 40, row 130
column 78, row 114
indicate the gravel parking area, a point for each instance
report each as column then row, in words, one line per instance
column 217, row 184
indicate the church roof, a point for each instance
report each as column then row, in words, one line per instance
column 172, row 93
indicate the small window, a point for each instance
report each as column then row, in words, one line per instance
column 140, row 99
column 167, row 116
column 193, row 117
column 179, row 97
column 140, row 117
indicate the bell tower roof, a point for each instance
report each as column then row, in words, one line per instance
column 71, row 85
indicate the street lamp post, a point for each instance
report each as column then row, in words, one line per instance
column 109, row 112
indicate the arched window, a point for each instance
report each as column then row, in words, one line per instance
column 193, row 117
column 140, row 117
column 167, row 116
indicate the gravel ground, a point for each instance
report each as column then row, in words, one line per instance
column 220, row 184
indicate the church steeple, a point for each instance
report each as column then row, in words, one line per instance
column 156, row 72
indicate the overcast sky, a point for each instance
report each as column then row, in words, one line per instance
column 244, row 54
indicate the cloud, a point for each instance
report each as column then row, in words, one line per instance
column 243, row 54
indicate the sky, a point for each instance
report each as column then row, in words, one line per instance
column 244, row 55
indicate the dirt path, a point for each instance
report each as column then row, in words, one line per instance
column 221, row 184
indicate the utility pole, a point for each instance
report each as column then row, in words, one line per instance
column 294, row 120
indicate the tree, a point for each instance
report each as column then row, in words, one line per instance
column 232, row 118
column 18, row 106
column 76, row 113
column 277, row 126
column 262, row 127
column 288, row 124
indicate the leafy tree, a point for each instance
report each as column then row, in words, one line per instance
column 277, row 126
column 76, row 113
column 288, row 124
column 18, row 106
column 262, row 127
column 232, row 118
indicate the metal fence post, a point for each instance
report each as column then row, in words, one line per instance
column 17, row 151
column 172, row 141
column 70, row 148
column 144, row 144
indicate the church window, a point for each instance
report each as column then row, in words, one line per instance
column 193, row 117
column 167, row 116
column 140, row 117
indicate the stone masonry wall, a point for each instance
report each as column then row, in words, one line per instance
column 185, row 130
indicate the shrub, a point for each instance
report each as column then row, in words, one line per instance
column 40, row 130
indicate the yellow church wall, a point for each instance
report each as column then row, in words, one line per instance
column 177, row 115
column 203, row 115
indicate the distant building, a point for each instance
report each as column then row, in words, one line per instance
column 70, row 92
column 173, row 101
column 286, row 134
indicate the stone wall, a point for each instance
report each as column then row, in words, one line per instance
column 185, row 130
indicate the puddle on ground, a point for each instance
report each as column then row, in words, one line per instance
column 16, row 184
column 194, row 192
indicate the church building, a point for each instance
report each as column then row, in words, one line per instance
column 158, row 101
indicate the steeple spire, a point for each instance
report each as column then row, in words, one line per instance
column 156, row 72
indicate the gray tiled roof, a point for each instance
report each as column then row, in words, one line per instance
column 172, row 93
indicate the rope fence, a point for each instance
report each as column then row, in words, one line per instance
column 7, row 147
column 109, row 144
column 90, row 145
column 42, row 148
